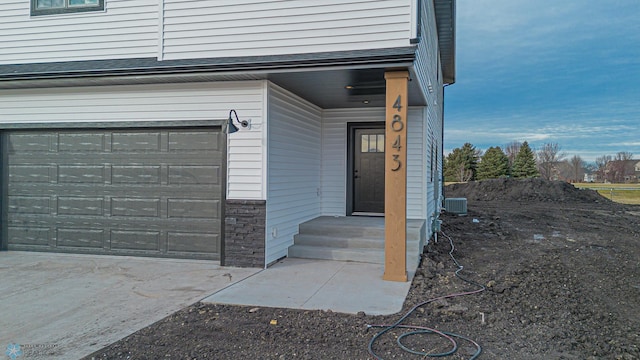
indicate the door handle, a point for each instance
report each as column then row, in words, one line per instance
column 355, row 174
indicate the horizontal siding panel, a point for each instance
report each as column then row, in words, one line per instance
column 210, row 28
column 168, row 102
column 127, row 29
column 281, row 23
column 302, row 6
column 115, row 52
column 281, row 33
column 277, row 12
column 265, row 47
column 294, row 148
column 23, row 40
column 127, row 17
column 126, row 96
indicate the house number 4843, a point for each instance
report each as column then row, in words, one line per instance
column 397, row 125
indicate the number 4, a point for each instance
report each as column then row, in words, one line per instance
column 397, row 144
column 398, row 103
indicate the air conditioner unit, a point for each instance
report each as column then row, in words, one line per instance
column 456, row 205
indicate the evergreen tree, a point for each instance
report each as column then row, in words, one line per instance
column 524, row 166
column 494, row 164
column 461, row 163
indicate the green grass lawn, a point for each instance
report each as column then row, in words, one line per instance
column 622, row 193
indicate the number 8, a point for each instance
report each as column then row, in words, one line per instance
column 397, row 119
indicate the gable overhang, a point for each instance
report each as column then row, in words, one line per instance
column 446, row 27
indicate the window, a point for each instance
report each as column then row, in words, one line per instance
column 372, row 143
column 47, row 7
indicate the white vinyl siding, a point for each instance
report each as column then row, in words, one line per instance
column 229, row 28
column 187, row 29
column 429, row 77
column 334, row 158
column 417, row 147
column 293, row 186
column 125, row 29
column 168, row 102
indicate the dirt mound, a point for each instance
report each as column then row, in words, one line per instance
column 535, row 189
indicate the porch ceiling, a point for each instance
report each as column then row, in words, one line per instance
column 343, row 88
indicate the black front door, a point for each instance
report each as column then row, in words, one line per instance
column 368, row 170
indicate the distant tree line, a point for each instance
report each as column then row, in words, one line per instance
column 518, row 160
column 468, row 163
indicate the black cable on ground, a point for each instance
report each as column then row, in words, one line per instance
column 419, row 330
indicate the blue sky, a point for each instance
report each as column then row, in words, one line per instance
column 561, row 71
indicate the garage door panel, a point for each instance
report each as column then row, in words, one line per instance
column 81, row 174
column 135, row 207
column 192, row 208
column 135, row 142
column 91, row 206
column 134, row 192
column 29, row 205
column 192, row 242
column 23, row 235
column 30, row 143
column 194, row 141
column 136, row 174
column 29, row 174
column 81, row 142
column 135, row 240
column 198, row 175
column 84, row 238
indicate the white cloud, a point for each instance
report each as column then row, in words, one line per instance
column 630, row 143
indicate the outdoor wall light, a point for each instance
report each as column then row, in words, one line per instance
column 232, row 127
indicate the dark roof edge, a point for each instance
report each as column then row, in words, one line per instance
column 151, row 66
column 446, row 28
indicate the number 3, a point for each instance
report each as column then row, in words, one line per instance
column 397, row 161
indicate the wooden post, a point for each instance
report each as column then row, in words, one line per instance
column 395, row 177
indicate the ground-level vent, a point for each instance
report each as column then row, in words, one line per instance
column 456, row 205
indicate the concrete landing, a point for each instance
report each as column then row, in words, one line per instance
column 64, row 306
column 339, row 286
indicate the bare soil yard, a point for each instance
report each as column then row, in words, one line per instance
column 561, row 268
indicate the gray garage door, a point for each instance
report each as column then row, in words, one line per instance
column 136, row 192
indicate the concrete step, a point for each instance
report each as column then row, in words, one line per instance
column 346, row 226
column 348, row 242
column 374, row 256
column 338, row 241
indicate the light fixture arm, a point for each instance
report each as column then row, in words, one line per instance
column 243, row 123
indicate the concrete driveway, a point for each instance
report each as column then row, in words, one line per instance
column 62, row 306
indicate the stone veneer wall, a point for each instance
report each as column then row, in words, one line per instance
column 244, row 233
